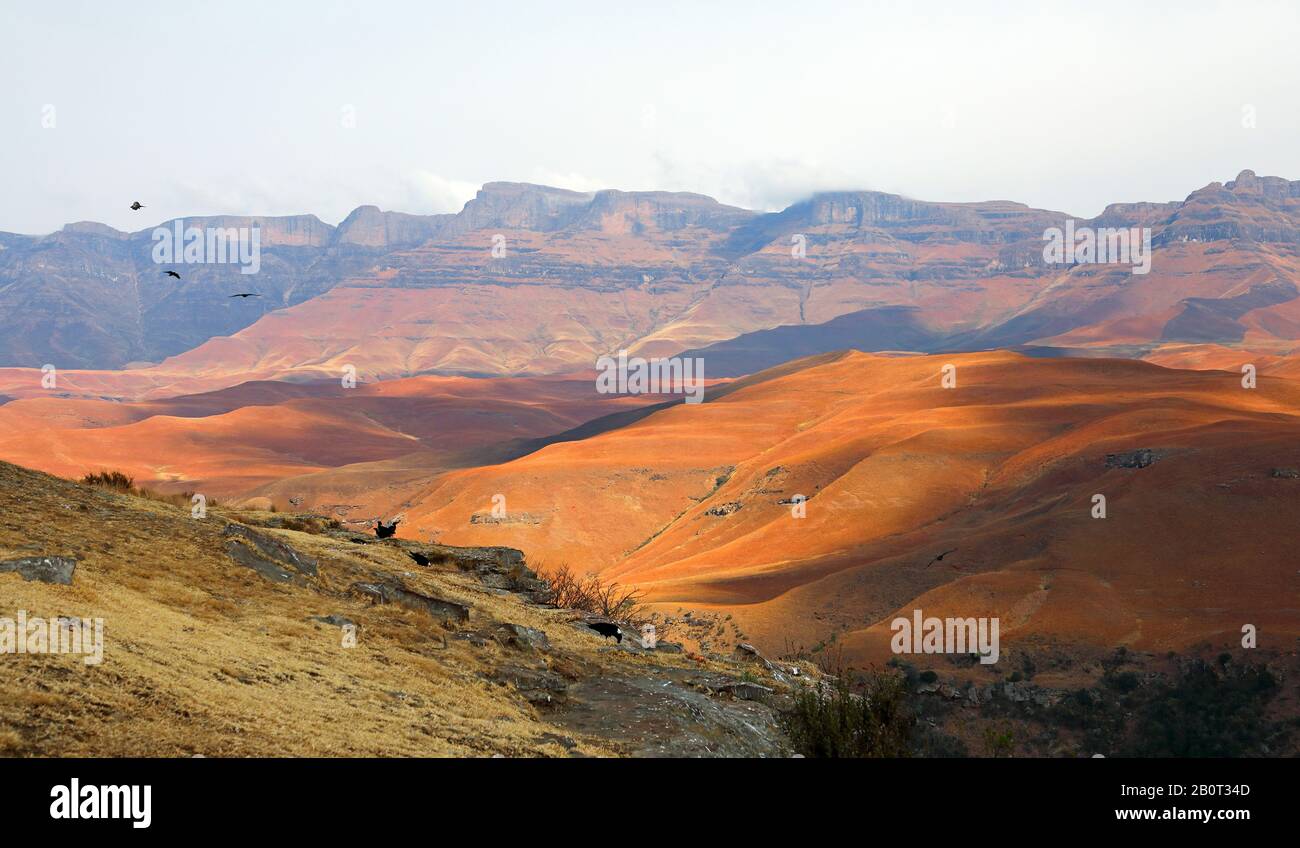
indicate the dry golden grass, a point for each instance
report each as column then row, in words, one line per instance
column 204, row 656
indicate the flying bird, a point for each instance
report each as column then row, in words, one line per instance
column 173, row 274
column 385, row 531
column 246, row 294
column 938, row 558
column 137, row 206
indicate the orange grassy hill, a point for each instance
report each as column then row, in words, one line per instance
column 690, row 503
column 232, row 442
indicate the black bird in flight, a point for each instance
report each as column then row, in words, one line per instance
column 246, row 294
column 938, row 558
column 385, row 531
column 173, row 274
column 137, row 206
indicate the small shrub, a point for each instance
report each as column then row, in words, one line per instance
column 115, row 480
column 1209, row 711
column 314, row 524
column 998, row 742
column 837, row 722
column 593, row 595
column 1123, row 682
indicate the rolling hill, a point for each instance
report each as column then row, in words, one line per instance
column 693, row 503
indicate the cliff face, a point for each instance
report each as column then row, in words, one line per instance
column 89, row 296
column 1257, row 209
column 520, row 206
column 368, row 226
column 533, row 279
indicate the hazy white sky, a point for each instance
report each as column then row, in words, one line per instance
column 242, row 107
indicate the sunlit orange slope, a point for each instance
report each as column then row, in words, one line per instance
column 232, row 442
column 689, row 503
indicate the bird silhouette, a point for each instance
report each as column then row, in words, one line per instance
column 246, row 294
column 137, row 206
column 385, row 531
column 608, row 629
column 938, row 558
column 420, row 559
column 173, row 274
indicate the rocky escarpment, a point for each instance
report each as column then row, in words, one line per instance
column 369, row 226
column 660, row 270
column 89, row 296
column 1257, row 209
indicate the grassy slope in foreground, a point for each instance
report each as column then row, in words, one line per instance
column 205, row 656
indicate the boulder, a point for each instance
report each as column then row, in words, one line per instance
column 525, row 638
column 745, row 691
column 1025, row 692
column 1132, row 459
column 496, row 568
column 748, row 653
column 50, row 569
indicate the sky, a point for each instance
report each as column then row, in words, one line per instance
column 285, row 107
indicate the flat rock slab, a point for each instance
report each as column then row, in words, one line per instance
column 267, row 556
column 392, row 593
column 746, row 691
column 537, row 686
column 334, row 620
column 51, row 569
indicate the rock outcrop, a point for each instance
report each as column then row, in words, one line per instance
column 266, row 555
column 47, row 569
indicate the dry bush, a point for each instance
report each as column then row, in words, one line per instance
column 314, row 524
column 115, row 480
column 828, row 659
column 593, row 595
column 185, row 499
column 118, row 481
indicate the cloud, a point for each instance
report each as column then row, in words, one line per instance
column 418, row 192
column 570, row 180
column 769, row 185
column 435, row 193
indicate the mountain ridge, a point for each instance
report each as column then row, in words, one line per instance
column 533, row 279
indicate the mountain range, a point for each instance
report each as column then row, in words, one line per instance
column 532, row 280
